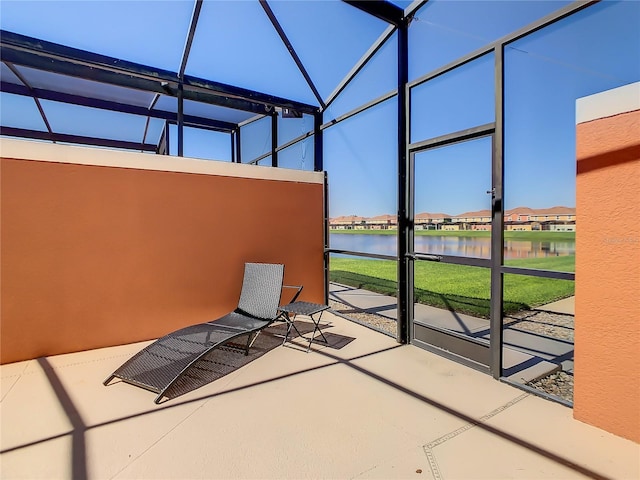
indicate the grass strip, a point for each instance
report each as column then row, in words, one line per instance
column 459, row 288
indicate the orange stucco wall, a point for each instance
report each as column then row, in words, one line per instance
column 607, row 335
column 94, row 256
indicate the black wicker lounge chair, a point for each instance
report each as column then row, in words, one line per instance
column 161, row 364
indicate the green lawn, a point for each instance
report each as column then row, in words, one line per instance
column 456, row 287
column 543, row 236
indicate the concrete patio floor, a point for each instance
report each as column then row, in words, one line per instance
column 371, row 409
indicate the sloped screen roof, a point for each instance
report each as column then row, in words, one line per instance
column 113, row 70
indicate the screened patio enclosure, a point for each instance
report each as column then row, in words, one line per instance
column 425, row 111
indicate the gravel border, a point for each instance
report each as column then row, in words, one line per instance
column 376, row 322
column 548, row 324
column 558, row 384
column 553, row 325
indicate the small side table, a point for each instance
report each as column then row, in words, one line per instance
column 308, row 309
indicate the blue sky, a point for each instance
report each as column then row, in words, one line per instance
column 545, row 72
column 594, row 50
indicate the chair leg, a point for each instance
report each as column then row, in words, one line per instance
column 291, row 324
column 252, row 338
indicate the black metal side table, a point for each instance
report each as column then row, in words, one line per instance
column 308, row 309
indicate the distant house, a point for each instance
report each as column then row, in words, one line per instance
column 568, row 227
column 348, row 222
column 555, row 214
column 518, row 214
column 554, row 219
column 525, row 219
column 518, row 227
column 430, row 221
column 381, row 222
column 476, row 220
column 482, row 227
column 450, row 227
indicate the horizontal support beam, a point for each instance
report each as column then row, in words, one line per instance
column 263, row 102
column 362, row 108
column 381, row 9
column 468, row 261
column 163, row 84
column 259, row 159
column 455, row 137
column 538, row 273
column 295, row 140
column 63, row 137
column 73, row 99
column 187, row 123
column 360, row 254
column 52, row 57
column 281, row 147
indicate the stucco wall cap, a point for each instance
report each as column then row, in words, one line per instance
column 47, row 152
column 608, row 103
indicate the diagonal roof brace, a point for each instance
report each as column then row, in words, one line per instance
column 386, row 35
column 416, row 5
column 52, row 57
column 156, row 97
column 292, row 51
column 197, row 7
column 31, row 93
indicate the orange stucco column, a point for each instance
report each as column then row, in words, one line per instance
column 607, row 323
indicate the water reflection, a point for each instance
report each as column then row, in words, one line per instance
column 521, row 249
column 448, row 245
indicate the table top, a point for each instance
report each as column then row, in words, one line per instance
column 304, row 308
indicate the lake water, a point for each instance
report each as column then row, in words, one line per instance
column 446, row 245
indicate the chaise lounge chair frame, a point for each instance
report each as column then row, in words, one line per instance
column 161, row 364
